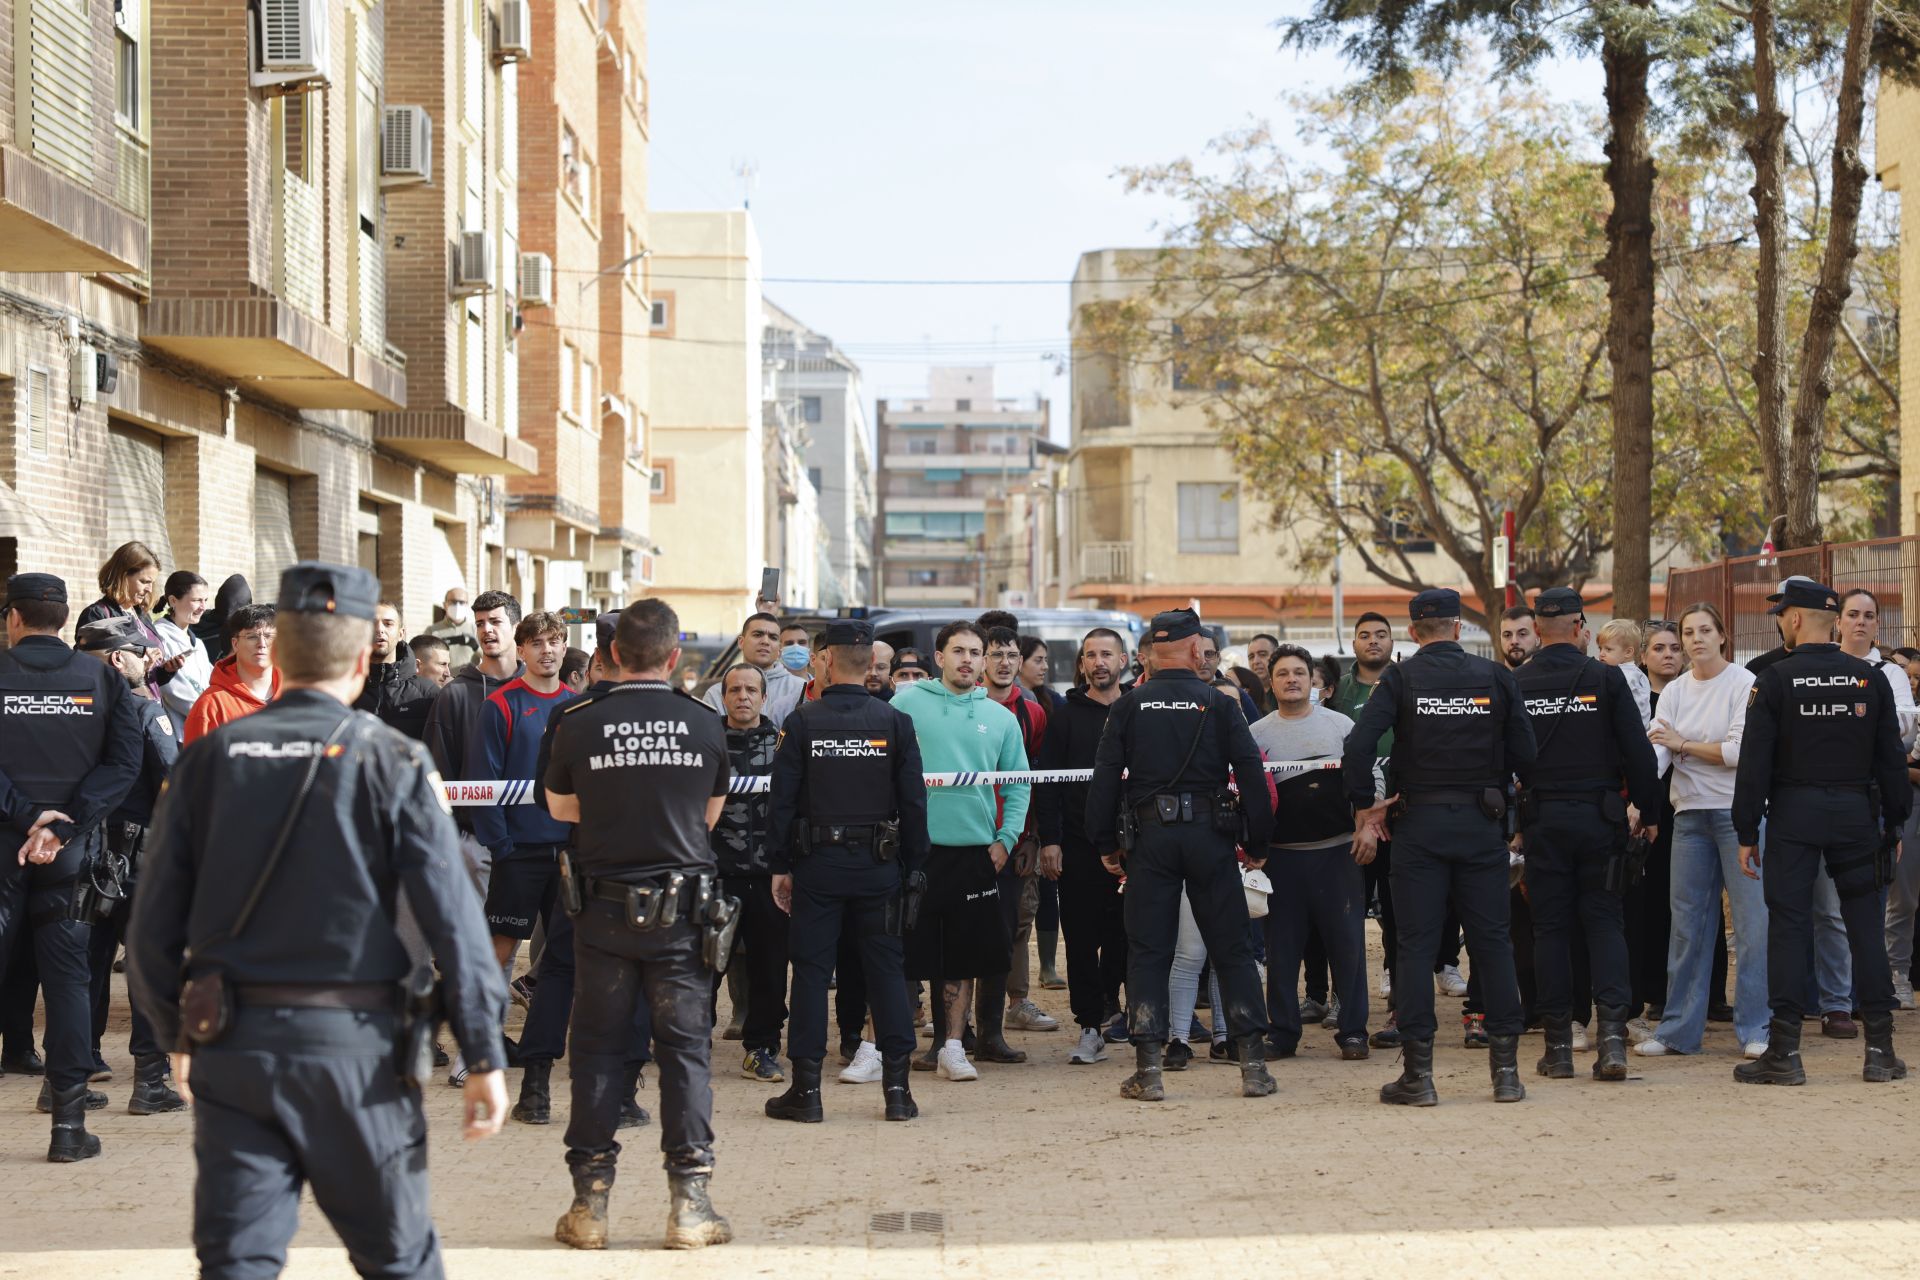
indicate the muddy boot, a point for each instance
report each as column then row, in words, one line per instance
column 71, row 1141
column 1414, row 1088
column 1048, row 942
column 801, row 1101
column 1557, row 1062
column 692, row 1222
column 632, row 1114
column 1144, row 1085
column 894, row 1073
column 536, row 1103
column 1502, row 1063
column 1881, row 1066
column 584, row 1224
column 1611, row 1062
column 1780, row 1064
column 1255, row 1080
column 151, row 1094
column 990, row 1016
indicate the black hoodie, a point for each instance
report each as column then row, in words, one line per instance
column 398, row 693
column 1073, row 735
column 450, row 722
column 233, row 594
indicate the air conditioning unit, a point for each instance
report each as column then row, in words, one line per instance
column 83, row 378
column 536, row 280
column 406, row 146
column 515, row 42
column 473, row 267
column 289, row 44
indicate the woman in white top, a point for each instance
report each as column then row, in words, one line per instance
column 1697, row 730
column 187, row 598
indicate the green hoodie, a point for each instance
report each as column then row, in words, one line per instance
column 967, row 733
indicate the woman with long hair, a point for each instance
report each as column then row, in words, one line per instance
column 187, row 599
column 128, row 581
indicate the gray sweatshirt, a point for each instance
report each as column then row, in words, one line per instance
column 1318, row 736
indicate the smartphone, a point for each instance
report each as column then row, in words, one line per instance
column 770, row 584
column 578, row 617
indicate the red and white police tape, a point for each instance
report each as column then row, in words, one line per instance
column 520, row 790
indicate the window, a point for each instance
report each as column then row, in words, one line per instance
column 816, row 478
column 963, row 406
column 126, row 80
column 1397, row 530
column 923, row 446
column 568, row 376
column 660, row 321
column 586, row 401
column 660, row 483
column 810, row 408
column 39, row 408
column 301, row 124
column 1210, row 518
column 573, row 178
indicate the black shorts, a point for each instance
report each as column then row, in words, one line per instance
column 521, row 891
column 961, row 932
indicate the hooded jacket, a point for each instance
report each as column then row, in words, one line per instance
column 1073, row 736
column 233, row 594
column 450, row 723
column 398, row 694
column 739, row 838
column 227, row 698
column 965, row 733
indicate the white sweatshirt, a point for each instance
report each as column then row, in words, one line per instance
column 1704, row 711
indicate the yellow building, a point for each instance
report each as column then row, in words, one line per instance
column 1896, row 148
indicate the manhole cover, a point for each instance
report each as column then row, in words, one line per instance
column 897, row 1222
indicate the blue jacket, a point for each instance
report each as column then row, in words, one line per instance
column 505, row 743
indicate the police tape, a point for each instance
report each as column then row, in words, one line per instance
column 520, row 790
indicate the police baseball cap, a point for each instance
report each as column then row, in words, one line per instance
column 1805, row 593
column 316, row 587
column 1784, row 582
column 1434, row 602
column 35, row 586
column 909, row 660
column 604, row 626
column 849, row 631
column 110, row 635
column 1559, row 602
column 1174, row 624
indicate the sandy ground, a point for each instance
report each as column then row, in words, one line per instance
column 1042, row 1170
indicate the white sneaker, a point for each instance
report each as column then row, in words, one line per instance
column 1756, row 1049
column 1903, row 994
column 953, row 1063
column 1091, row 1049
column 1386, row 984
column 865, row 1067
column 1448, row 982
column 1639, row 1031
column 457, row 1071
column 1652, row 1047
column 1028, row 1016
column 1579, row 1037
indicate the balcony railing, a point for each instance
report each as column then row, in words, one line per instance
column 1106, row 562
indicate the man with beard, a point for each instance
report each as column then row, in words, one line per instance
column 396, row 692
column 1519, row 637
column 880, row 674
column 1372, row 651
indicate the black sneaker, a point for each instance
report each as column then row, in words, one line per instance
column 1352, row 1048
column 1116, row 1032
column 1387, row 1037
column 760, row 1065
column 1223, row 1051
column 1179, row 1054
column 1275, row 1051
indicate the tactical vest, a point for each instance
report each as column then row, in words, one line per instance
column 1827, row 720
column 851, row 744
column 53, row 725
column 1572, row 725
column 1450, row 731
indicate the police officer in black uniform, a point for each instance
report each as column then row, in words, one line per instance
column 847, row 838
column 643, row 770
column 276, row 854
column 1574, row 828
column 1460, row 732
column 1176, row 736
column 69, row 753
column 1820, row 760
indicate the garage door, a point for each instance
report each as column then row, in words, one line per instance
column 137, row 492
column 273, row 548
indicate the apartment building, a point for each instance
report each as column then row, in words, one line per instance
column 818, row 389
column 941, row 460
column 1020, row 544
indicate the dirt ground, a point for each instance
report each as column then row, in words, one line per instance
column 1042, row 1170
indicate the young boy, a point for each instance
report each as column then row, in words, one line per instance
column 1620, row 647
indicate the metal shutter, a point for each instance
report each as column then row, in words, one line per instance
column 137, row 492
column 273, row 546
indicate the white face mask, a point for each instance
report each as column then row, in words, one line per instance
column 457, row 612
column 1313, row 697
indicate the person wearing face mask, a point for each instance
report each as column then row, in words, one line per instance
column 456, row 628
column 128, row 581
column 781, row 654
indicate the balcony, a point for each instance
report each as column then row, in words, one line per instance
column 455, row 440
column 273, row 349
column 49, row 222
column 1106, row 562
column 899, row 594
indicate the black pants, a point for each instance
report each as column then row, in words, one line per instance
column 1649, row 920
column 101, row 946
column 1379, row 885
column 31, row 905
column 760, row 947
column 1163, row 861
column 19, row 992
column 1568, row 847
column 1095, row 932
column 849, row 990
column 292, row 1097
column 1453, row 855
column 544, row 1037
column 1321, row 888
column 840, row 893
column 1314, row 962
column 1807, row 826
column 619, row 968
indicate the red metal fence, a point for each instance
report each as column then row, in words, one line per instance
column 1888, row 567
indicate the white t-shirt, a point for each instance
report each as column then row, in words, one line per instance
column 1903, row 707
column 1704, row 711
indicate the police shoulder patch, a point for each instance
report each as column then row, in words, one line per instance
column 1753, row 694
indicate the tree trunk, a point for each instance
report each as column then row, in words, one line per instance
column 1815, row 374
column 1628, row 270
column 1766, row 147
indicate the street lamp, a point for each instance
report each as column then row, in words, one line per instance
column 621, row 265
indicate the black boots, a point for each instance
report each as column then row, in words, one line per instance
column 71, row 1141
column 1503, row 1054
column 1881, row 1066
column 632, row 1114
column 894, row 1073
column 536, row 1103
column 1414, row 1088
column 1557, row 1062
column 1611, row 1031
column 151, row 1093
column 1145, row 1085
column 1780, row 1064
column 990, row 1017
column 584, row 1224
column 1255, row 1080
column 692, row 1222
column 44, row 1104
column 801, row 1101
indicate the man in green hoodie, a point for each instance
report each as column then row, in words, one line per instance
column 961, row 934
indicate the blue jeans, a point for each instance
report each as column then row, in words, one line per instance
column 1183, row 980
column 1706, row 859
column 1832, row 961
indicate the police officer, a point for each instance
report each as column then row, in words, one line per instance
column 1574, row 827
column 1176, row 736
column 69, row 752
column 1820, row 760
column 1459, row 734
column 643, row 770
column 277, row 851
column 847, row 837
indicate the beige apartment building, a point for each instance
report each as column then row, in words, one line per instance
column 1896, row 144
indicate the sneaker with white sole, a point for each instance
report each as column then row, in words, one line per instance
column 1755, row 1050
column 1386, row 984
column 1028, row 1016
column 1652, row 1047
column 953, row 1063
column 1579, row 1037
column 1091, row 1049
column 865, row 1067
column 1448, row 982
column 457, row 1072
column 1640, row 1031
column 1903, row 994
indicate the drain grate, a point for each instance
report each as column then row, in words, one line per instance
column 896, row 1222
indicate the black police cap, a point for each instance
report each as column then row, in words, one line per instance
column 313, row 586
column 1434, row 602
column 108, row 635
column 1805, row 593
column 1174, row 624
column 36, row 586
column 849, row 631
column 1559, row 602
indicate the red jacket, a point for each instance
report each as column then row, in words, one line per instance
column 1032, row 715
column 227, row 698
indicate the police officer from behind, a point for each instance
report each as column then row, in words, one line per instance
column 276, row 854
column 1820, row 760
column 1574, row 827
column 847, row 841
column 69, row 753
column 643, row 769
column 1171, row 823
column 1459, row 733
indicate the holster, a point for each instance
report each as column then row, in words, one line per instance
column 1123, row 832
column 206, row 1010
column 886, row 842
column 1885, row 853
column 719, row 919
column 573, row 892
column 1628, row 864
column 1229, row 818
column 903, row 911
column 420, row 1006
column 102, row 885
column 1493, row 803
column 1528, row 808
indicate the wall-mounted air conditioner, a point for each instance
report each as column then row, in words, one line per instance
column 473, row 264
column 515, row 43
column 406, row 146
column 536, row 280
column 289, row 46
